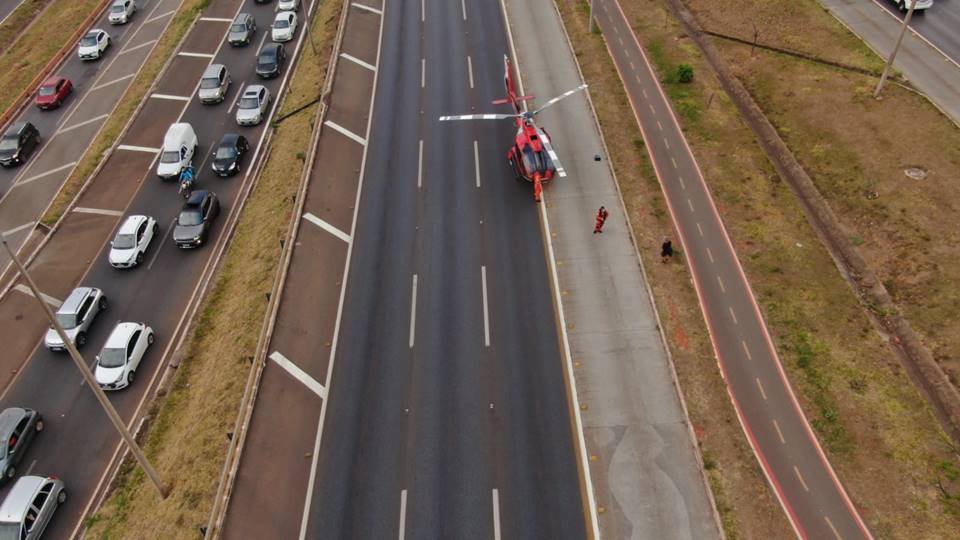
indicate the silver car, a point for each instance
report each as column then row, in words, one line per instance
column 29, row 507
column 18, row 426
column 75, row 315
column 253, row 105
column 214, row 84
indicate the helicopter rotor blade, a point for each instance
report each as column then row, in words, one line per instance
column 566, row 94
column 478, row 117
column 545, row 139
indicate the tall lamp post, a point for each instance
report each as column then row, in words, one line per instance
column 903, row 30
column 593, row 22
column 89, row 379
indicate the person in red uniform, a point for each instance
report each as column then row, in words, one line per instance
column 601, row 218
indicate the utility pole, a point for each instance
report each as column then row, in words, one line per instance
column 593, row 22
column 903, row 30
column 89, row 379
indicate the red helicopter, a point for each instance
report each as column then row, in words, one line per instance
column 532, row 157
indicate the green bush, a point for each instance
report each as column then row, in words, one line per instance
column 685, row 73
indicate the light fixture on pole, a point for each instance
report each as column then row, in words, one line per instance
column 886, row 68
column 89, row 378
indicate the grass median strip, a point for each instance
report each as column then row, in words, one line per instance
column 188, row 426
column 879, row 433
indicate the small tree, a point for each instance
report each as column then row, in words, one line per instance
column 685, row 73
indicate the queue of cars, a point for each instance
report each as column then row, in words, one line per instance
column 29, row 506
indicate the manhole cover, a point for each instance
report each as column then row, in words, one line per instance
column 915, row 172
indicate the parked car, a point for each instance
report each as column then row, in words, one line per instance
column 214, row 84
column 284, row 26
column 270, row 60
column 29, row 507
column 229, row 154
column 922, row 5
column 18, row 426
column 132, row 240
column 179, row 146
column 242, row 30
column 53, row 92
column 18, row 143
column 121, row 11
column 253, row 105
column 94, row 45
column 121, row 355
column 289, row 5
column 76, row 314
column 196, row 219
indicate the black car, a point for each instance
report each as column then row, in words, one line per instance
column 271, row 58
column 195, row 220
column 20, row 140
column 229, row 154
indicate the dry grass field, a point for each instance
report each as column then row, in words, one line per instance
column 879, row 433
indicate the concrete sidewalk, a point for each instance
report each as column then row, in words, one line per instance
column 929, row 70
column 647, row 475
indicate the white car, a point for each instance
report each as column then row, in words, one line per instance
column 120, row 357
column 288, row 5
column 253, row 105
column 132, row 240
column 121, row 11
column 904, row 5
column 93, row 45
column 284, row 26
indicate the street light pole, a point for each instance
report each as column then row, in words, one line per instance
column 903, row 30
column 88, row 377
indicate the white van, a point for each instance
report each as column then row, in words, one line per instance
column 179, row 146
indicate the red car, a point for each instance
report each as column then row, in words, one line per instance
column 52, row 92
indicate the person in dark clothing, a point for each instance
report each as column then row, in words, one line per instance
column 666, row 250
column 601, row 219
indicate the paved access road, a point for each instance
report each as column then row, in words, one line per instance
column 66, row 132
column 940, row 24
column 789, row 454
column 78, row 443
column 447, row 415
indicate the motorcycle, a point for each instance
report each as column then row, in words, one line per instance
column 186, row 181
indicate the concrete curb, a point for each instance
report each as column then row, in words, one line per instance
column 646, row 282
column 241, row 427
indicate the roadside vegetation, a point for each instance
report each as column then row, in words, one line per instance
column 188, row 425
column 880, row 434
column 18, row 20
column 27, row 52
column 126, row 106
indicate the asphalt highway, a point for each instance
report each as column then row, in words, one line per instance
column 7, row 7
column 940, row 24
column 812, row 496
column 79, row 443
column 66, row 132
column 430, row 432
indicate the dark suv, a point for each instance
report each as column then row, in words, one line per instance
column 242, row 30
column 18, row 143
column 196, row 219
column 270, row 60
